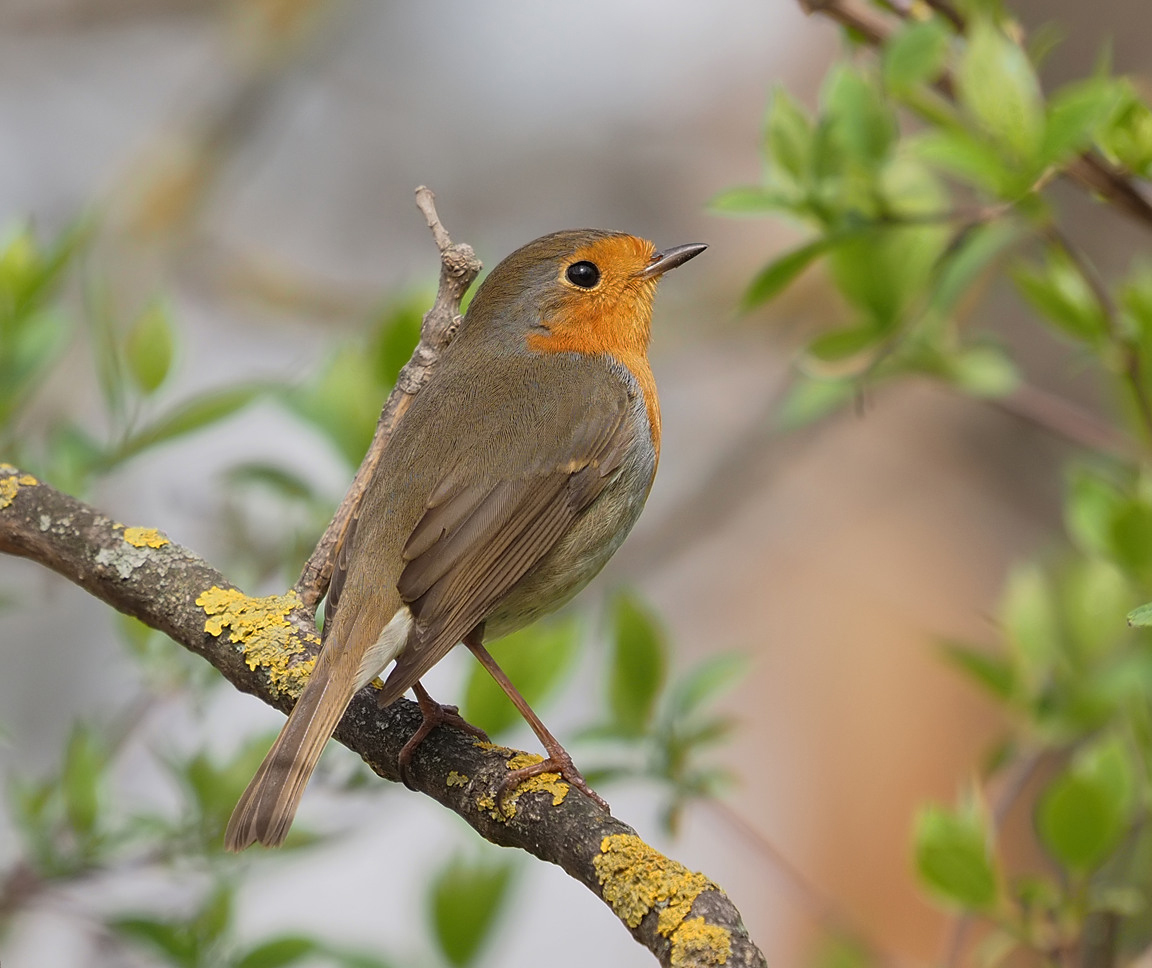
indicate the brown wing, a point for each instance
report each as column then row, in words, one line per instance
column 474, row 542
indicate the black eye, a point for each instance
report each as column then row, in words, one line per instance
column 583, row 274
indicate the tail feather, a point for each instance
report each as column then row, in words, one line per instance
column 267, row 807
column 346, row 664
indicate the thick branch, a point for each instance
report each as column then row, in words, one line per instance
column 683, row 918
column 458, row 268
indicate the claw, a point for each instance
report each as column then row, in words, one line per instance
column 434, row 715
column 557, row 762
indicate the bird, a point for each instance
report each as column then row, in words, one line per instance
column 516, row 473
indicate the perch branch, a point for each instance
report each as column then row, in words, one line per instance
column 681, row 916
column 458, row 268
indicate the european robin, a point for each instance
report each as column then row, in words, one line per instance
column 515, row 474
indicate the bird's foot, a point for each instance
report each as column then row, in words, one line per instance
column 557, row 761
column 434, row 715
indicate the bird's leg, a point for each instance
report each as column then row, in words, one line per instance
column 558, row 760
column 434, row 715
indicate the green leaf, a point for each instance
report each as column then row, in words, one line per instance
column 1127, row 139
column 535, row 658
column 1095, row 594
column 788, row 139
column 777, row 275
column 1030, row 623
column 1092, row 504
column 705, row 680
column 81, row 779
column 953, row 857
column 465, row 902
column 397, row 334
column 984, row 371
column 968, row 255
column 1131, row 536
column 1141, row 617
column 915, row 55
column 1059, row 292
column 26, row 354
column 811, row 398
column 997, row 86
column 882, row 271
column 957, row 153
column 278, row 952
column 864, row 124
column 993, row 673
column 172, row 940
column 751, row 200
column 344, row 401
column 1084, row 814
column 279, row 480
column 1076, row 114
column 214, row 916
column 639, row 665
column 838, row 345
column 194, row 414
column 148, row 348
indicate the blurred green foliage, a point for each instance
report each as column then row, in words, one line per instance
column 923, row 173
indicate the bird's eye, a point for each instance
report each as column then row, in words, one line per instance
column 583, row 274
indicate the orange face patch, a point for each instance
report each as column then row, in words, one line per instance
column 612, row 317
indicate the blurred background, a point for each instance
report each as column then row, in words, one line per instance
column 251, row 165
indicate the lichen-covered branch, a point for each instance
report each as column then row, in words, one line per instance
column 265, row 646
column 458, row 268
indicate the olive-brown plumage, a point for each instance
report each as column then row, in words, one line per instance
column 515, row 474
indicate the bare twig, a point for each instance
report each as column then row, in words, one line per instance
column 1065, row 420
column 1129, row 351
column 826, row 909
column 458, row 268
column 680, row 916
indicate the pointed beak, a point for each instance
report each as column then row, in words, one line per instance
column 670, row 259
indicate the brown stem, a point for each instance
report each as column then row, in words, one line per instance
column 1129, row 351
column 458, row 268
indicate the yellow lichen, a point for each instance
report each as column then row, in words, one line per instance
column 696, row 942
column 545, row 782
column 481, row 744
column 261, row 628
column 457, row 779
column 635, row 878
column 11, row 482
column 145, row 538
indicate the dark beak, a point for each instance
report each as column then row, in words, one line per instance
column 670, row 259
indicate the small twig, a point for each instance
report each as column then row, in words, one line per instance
column 458, row 268
column 850, row 15
column 1129, row 351
column 949, row 13
column 825, row 908
column 1065, row 420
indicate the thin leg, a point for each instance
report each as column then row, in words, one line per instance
column 558, row 760
column 434, row 715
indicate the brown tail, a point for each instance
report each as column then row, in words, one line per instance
column 266, row 808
